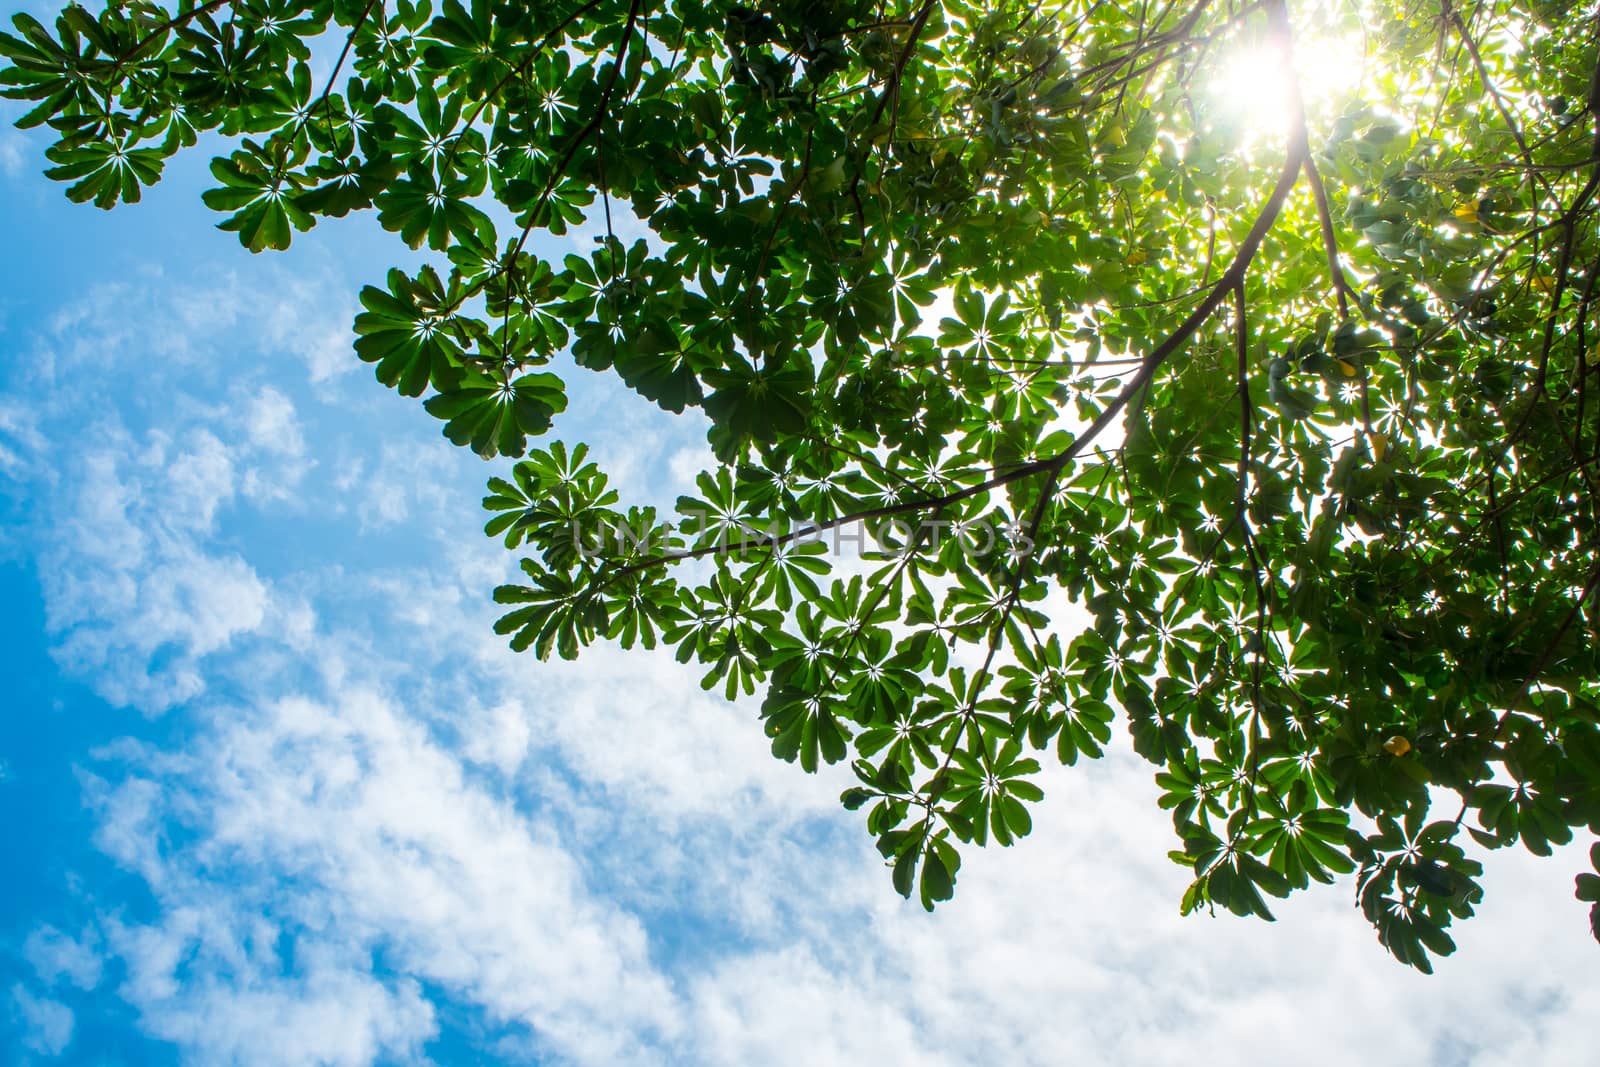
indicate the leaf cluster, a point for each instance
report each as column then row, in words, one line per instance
column 1281, row 450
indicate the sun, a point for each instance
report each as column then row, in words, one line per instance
column 1247, row 85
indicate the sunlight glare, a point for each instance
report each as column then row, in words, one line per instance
column 1248, row 89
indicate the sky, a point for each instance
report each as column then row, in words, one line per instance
column 272, row 792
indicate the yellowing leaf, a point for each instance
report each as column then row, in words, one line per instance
column 1467, row 213
column 829, row 178
column 1380, row 445
column 1136, row 257
column 1347, row 367
column 1397, row 746
column 1543, row 282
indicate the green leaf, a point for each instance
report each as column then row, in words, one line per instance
column 496, row 416
column 1588, row 887
column 405, row 331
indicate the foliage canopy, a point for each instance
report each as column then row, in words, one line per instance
column 1279, row 441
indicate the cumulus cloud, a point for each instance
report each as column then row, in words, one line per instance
column 59, row 958
column 277, row 446
column 388, row 848
column 786, row 1007
column 136, row 604
column 208, row 983
column 124, row 520
column 46, row 1024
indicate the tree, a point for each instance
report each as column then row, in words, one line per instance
column 1278, row 444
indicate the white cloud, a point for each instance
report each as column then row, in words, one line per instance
column 638, row 724
column 405, row 480
column 114, row 323
column 785, row 1007
column 499, row 737
column 230, row 1003
column 687, row 463
column 198, row 335
column 310, row 319
column 56, row 957
column 198, row 480
column 269, row 421
column 47, row 1024
column 19, row 436
column 1074, row 938
column 389, row 847
column 136, row 593
column 1073, row 941
column 140, row 633
column 277, row 446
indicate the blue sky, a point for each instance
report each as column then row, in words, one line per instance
column 273, row 793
